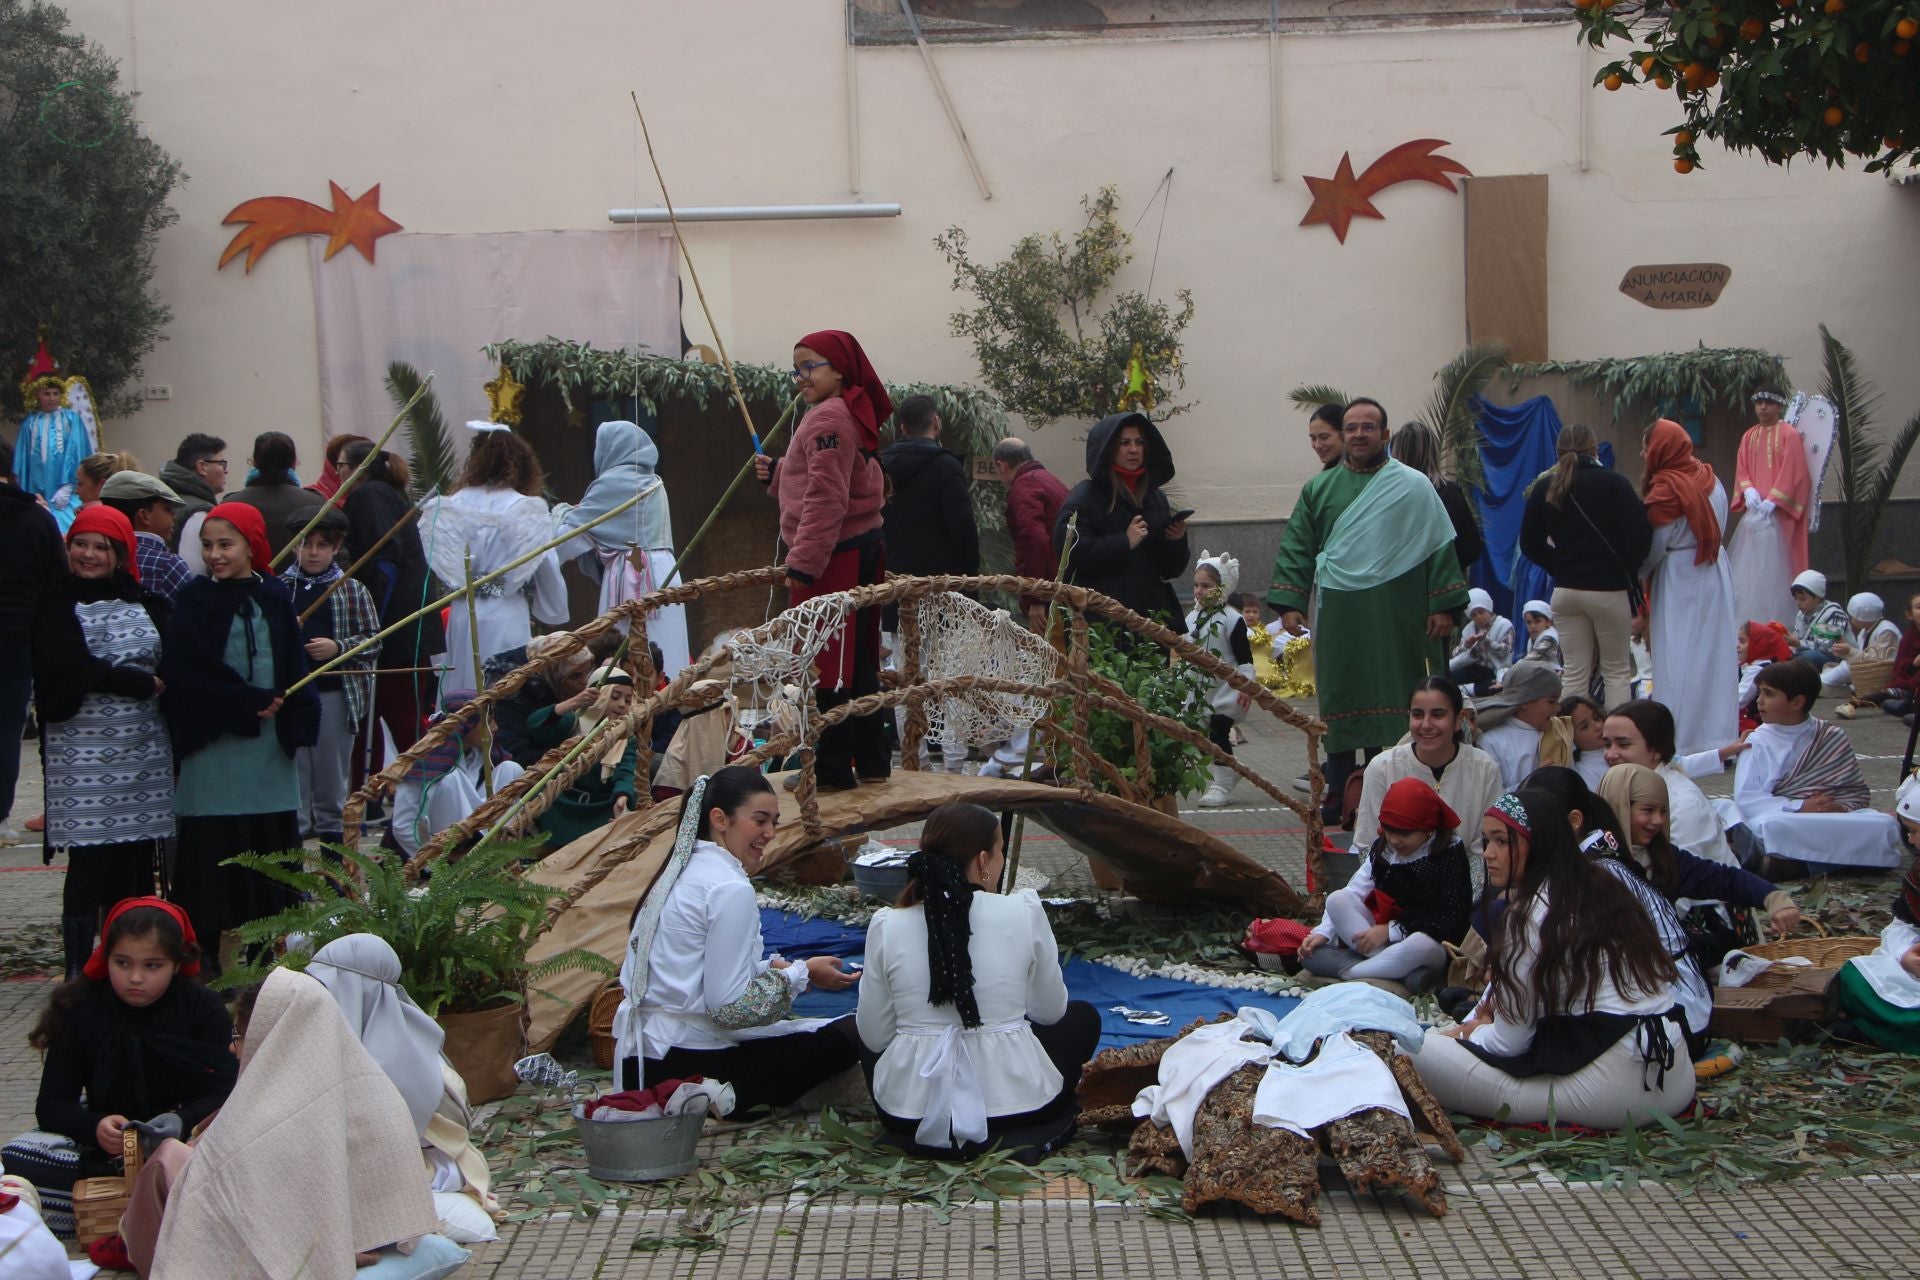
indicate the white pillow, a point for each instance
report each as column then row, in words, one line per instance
column 433, row 1258
column 462, row 1220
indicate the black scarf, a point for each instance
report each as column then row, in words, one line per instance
column 947, row 896
column 205, row 697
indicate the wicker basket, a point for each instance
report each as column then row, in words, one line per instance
column 99, row 1202
column 1869, row 675
column 600, row 1024
column 1827, row 955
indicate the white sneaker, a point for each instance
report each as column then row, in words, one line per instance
column 1301, row 785
column 1220, row 788
column 9, row 834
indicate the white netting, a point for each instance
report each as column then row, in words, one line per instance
column 961, row 637
column 770, row 662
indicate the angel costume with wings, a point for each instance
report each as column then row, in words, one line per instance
column 499, row 526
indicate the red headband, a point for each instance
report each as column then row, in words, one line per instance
column 112, row 525
column 96, row 966
column 1412, row 805
column 252, row 526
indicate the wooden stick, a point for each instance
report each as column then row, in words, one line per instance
column 480, row 581
column 357, row 565
column 738, row 479
column 486, row 722
column 726, row 360
column 346, row 486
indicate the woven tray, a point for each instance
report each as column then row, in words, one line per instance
column 1869, row 675
column 1827, row 955
column 99, row 1202
column 600, row 1024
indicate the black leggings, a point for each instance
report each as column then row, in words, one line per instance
column 773, row 1072
column 100, row 875
column 1069, row 1044
column 1220, row 733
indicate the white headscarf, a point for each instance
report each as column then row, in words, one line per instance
column 624, row 459
column 362, row 973
column 1867, row 607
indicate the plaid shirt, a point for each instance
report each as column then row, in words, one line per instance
column 161, row 571
column 355, row 620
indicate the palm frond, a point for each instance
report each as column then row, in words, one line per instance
column 1451, row 412
column 1859, row 454
column 432, row 460
column 1314, row 394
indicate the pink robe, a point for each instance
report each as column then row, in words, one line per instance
column 1773, row 460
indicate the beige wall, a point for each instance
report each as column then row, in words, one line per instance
column 494, row 116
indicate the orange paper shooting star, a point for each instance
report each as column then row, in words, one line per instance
column 1340, row 199
column 271, row 219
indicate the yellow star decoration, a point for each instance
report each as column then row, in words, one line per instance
column 1138, row 393
column 503, row 395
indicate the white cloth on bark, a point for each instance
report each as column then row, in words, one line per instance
column 1344, row 1077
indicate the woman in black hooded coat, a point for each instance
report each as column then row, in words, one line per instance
column 1127, row 544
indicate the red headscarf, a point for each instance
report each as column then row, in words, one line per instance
column 111, row 525
column 96, row 966
column 1767, row 642
column 1678, row 484
column 861, row 388
column 1412, row 805
column 252, row 526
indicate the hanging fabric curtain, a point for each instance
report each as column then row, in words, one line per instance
column 1516, row 445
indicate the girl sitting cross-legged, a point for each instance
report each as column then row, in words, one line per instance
column 970, row 1039
column 1419, row 863
column 1579, row 1019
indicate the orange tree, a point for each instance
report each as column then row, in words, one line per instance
column 1784, row 78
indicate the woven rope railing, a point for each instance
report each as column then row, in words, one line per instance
column 1080, row 689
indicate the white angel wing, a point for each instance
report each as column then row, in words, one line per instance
column 1817, row 423
column 80, row 400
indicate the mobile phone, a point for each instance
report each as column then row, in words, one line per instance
column 1178, row 516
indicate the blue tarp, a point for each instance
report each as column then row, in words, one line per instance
column 1099, row 985
column 1516, row 445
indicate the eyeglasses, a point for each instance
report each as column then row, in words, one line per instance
column 216, row 462
column 801, row 372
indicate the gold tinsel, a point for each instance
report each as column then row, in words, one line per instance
column 503, row 395
column 1287, row 671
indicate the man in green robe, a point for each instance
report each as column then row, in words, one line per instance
column 1372, row 536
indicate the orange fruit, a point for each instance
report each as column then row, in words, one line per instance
column 1836, row 6
column 1613, row 82
column 1862, row 51
column 1664, row 81
column 1717, row 40
column 1712, row 79
column 1753, row 28
column 1891, row 142
column 1683, row 165
column 1832, row 117
column 1583, row 4
column 1906, row 28
column 1647, row 65
column 1683, row 139
column 1901, row 48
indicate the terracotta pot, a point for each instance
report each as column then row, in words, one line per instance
column 483, row 1046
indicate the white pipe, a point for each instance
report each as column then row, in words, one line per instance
column 757, row 212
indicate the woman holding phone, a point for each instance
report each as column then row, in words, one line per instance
column 1128, row 543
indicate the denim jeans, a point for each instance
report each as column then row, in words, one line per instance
column 1818, row 657
column 16, row 691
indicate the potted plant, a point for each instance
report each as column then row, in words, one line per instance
column 461, row 934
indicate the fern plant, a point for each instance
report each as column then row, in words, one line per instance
column 462, row 935
column 1869, row 467
column 432, row 460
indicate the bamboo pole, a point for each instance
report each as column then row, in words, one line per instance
column 346, row 486
column 1026, row 764
column 540, row 784
column 733, row 488
column 486, row 722
column 481, row 581
column 720, row 343
column 361, row 563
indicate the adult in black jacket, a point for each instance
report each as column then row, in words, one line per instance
column 396, row 577
column 928, row 519
column 1587, row 527
column 33, row 561
column 273, row 488
column 1127, row 544
column 1418, row 446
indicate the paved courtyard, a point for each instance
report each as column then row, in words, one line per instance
column 1501, row 1223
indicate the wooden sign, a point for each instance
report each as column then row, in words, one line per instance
column 981, row 466
column 1676, row 286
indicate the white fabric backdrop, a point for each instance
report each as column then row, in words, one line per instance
column 434, row 300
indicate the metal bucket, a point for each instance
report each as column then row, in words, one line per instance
column 641, row 1150
column 881, row 883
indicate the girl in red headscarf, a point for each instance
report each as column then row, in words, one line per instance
column 830, row 489
column 232, row 650
column 1412, row 896
column 1691, row 626
column 104, row 754
column 132, row 1040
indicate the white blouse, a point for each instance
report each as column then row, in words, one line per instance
column 1469, row 785
column 1515, row 747
column 928, row 1063
column 705, row 951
